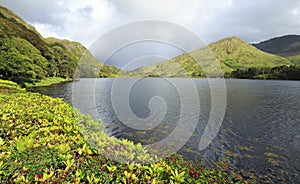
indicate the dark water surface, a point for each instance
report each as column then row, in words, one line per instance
column 260, row 131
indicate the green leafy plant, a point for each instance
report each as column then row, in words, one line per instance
column 177, row 177
column 37, row 144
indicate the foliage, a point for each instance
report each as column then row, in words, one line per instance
column 45, row 82
column 40, row 141
column 20, row 61
column 9, row 86
column 281, row 72
column 27, row 57
column 65, row 56
column 14, row 26
column 109, row 71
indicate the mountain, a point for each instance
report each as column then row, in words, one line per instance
column 26, row 56
column 23, row 52
column 284, row 46
column 232, row 54
column 287, row 46
column 78, row 59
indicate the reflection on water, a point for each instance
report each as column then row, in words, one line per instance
column 260, row 131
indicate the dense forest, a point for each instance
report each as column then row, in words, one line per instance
column 280, row 73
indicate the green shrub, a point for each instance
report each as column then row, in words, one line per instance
column 9, row 86
column 45, row 82
column 44, row 139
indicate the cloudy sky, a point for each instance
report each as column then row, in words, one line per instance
column 85, row 21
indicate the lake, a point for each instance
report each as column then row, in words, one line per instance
column 260, row 131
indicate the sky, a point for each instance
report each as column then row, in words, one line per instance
column 86, row 21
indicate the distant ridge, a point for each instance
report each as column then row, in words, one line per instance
column 287, row 45
column 232, row 54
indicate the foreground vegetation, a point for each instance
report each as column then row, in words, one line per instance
column 43, row 139
column 46, row 82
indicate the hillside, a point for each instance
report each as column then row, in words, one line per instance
column 232, row 54
column 26, row 56
column 79, row 58
column 286, row 46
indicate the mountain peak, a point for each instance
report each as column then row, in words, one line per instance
column 232, row 54
column 235, row 38
column 8, row 14
column 229, row 41
column 230, row 45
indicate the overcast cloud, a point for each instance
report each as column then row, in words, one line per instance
column 84, row 21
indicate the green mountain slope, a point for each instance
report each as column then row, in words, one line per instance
column 236, row 54
column 14, row 17
column 20, row 60
column 232, row 54
column 12, row 25
column 73, row 57
column 26, row 56
column 287, row 46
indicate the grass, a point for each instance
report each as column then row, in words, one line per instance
column 295, row 59
column 46, row 82
column 43, row 140
column 231, row 53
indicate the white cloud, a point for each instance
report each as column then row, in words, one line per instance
column 88, row 20
column 168, row 10
column 78, row 20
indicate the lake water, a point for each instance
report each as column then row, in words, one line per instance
column 260, row 131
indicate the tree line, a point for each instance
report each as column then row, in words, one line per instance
column 281, row 73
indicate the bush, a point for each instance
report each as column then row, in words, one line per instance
column 40, row 140
column 9, row 86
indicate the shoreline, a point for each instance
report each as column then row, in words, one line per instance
column 48, row 143
column 47, row 82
